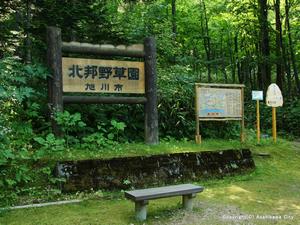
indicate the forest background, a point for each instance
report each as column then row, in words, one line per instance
column 252, row 42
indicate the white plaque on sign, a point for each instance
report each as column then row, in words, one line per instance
column 257, row 95
column 274, row 96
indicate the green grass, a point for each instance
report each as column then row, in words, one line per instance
column 272, row 189
column 140, row 149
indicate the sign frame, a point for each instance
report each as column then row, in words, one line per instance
column 145, row 52
column 222, row 86
column 81, row 75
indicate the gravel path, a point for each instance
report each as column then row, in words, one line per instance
column 207, row 213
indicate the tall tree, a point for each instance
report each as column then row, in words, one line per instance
column 27, row 32
column 265, row 67
column 174, row 27
column 291, row 45
column 280, row 69
column 206, row 38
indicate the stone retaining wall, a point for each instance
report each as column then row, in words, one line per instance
column 156, row 170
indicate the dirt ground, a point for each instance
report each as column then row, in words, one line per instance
column 207, row 213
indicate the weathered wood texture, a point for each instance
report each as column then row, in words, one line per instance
column 151, row 114
column 233, row 108
column 54, row 56
column 105, row 50
column 103, row 100
column 78, row 84
column 219, row 85
column 163, row 192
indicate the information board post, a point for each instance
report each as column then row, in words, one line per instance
column 257, row 121
column 257, row 96
column 242, row 116
column 54, row 55
column 219, row 102
column 274, row 128
column 197, row 136
column 274, row 99
column 151, row 114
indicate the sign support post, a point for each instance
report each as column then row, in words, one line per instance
column 257, row 95
column 274, row 128
column 274, row 99
column 242, row 118
column 151, row 114
column 54, row 55
column 197, row 136
column 258, row 121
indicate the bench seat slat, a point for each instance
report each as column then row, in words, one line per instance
column 162, row 192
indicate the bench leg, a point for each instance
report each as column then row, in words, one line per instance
column 141, row 210
column 187, row 201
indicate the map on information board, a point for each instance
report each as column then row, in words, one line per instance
column 219, row 102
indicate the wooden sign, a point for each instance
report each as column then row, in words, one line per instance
column 274, row 99
column 257, row 95
column 274, row 96
column 103, row 76
column 219, row 103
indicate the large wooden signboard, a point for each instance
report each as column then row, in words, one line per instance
column 92, row 75
column 219, row 102
column 103, row 76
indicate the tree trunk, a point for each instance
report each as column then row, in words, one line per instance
column 231, row 57
column 279, row 57
column 236, row 51
column 174, row 28
column 291, row 47
column 27, row 31
column 264, row 44
column 223, row 60
column 206, row 39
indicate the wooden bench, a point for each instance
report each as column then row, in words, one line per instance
column 141, row 197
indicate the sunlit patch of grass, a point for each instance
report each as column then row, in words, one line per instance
column 140, row 149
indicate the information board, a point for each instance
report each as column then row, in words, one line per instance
column 103, row 76
column 219, row 102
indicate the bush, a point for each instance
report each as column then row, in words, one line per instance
column 20, row 97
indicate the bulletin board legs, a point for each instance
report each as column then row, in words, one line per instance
column 197, row 136
column 242, row 131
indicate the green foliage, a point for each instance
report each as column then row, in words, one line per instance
column 104, row 138
column 20, row 111
column 288, row 117
column 69, row 123
column 48, row 145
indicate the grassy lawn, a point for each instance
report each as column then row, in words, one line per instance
column 272, row 190
column 140, row 149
